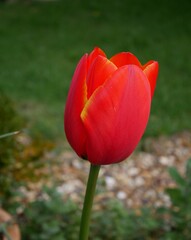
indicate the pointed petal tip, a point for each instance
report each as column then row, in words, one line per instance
column 151, row 71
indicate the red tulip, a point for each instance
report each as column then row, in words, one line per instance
column 108, row 105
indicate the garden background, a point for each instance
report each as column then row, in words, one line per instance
column 40, row 45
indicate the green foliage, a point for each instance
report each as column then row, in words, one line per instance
column 179, row 215
column 49, row 217
column 175, row 175
column 10, row 121
column 117, row 223
column 15, row 157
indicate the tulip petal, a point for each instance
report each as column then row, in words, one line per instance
column 94, row 54
column 76, row 99
column 125, row 58
column 151, row 71
column 116, row 116
column 98, row 73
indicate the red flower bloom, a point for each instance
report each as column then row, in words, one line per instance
column 108, row 105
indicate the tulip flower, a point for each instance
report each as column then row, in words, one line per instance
column 106, row 113
column 108, row 105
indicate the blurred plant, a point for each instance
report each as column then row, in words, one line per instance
column 29, row 158
column 117, row 223
column 10, row 121
column 19, row 154
column 177, row 224
column 50, row 218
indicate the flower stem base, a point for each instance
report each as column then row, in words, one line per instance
column 88, row 202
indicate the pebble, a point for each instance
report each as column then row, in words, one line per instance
column 110, row 182
column 133, row 171
column 139, row 181
column 77, row 164
column 166, row 160
column 121, row 195
column 148, row 160
column 69, row 187
column 150, row 194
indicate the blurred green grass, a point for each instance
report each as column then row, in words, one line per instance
column 41, row 43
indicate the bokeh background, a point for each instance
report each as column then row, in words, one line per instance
column 40, row 44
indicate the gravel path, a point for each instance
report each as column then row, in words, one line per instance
column 138, row 181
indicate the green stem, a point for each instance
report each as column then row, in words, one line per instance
column 88, row 202
column 9, row 134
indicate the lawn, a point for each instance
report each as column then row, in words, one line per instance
column 41, row 43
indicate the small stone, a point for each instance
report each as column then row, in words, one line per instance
column 67, row 155
column 121, row 195
column 166, row 200
column 147, row 160
column 139, row 181
column 77, row 164
column 133, row 171
column 158, row 204
column 130, row 183
column 166, row 161
column 110, row 182
column 69, row 187
column 155, row 172
column 150, row 194
column 24, row 139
